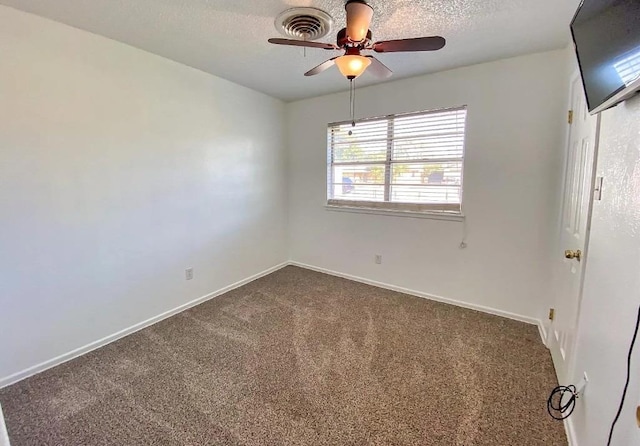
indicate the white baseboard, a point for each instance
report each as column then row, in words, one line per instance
column 571, row 434
column 4, row 436
column 6, row 381
column 19, row 376
column 457, row 303
column 543, row 332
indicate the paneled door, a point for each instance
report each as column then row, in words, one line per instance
column 571, row 251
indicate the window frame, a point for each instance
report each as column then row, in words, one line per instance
column 446, row 211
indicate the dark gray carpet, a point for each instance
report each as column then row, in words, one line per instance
column 300, row 358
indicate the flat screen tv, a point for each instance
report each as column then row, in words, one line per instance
column 606, row 35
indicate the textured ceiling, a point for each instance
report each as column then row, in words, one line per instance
column 228, row 38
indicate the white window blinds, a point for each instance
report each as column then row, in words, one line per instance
column 410, row 162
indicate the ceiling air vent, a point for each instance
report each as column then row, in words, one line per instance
column 304, row 23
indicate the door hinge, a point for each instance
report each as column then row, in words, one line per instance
column 570, row 117
column 552, row 313
column 597, row 191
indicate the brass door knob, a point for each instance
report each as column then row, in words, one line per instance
column 569, row 254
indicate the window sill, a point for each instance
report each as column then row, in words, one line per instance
column 397, row 213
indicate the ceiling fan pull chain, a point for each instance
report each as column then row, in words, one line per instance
column 352, row 104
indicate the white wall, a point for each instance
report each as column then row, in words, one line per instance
column 515, row 137
column 119, row 169
column 612, row 287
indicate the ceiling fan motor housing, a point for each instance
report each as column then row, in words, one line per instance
column 343, row 41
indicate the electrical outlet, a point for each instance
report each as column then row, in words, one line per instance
column 188, row 273
column 378, row 259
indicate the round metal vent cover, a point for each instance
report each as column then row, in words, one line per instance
column 304, row 23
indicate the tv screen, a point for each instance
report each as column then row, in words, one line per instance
column 606, row 34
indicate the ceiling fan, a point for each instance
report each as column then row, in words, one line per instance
column 355, row 38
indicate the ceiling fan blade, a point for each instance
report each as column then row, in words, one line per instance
column 418, row 44
column 378, row 69
column 307, row 43
column 320, row 68
column 359, row 16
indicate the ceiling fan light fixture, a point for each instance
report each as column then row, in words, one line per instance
column 360, row 15
column 352, row 66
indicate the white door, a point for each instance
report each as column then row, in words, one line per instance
column 569, row 263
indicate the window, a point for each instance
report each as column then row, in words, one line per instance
column 408, row 162
column 629, row 67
